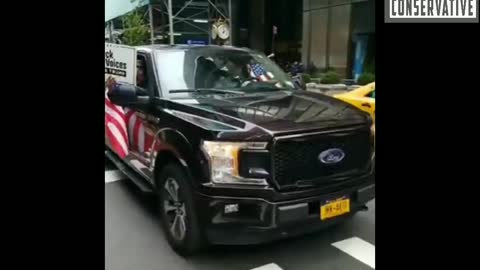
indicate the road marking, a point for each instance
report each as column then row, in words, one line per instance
column 270, row 266
column 359, row 249
column 114, row 175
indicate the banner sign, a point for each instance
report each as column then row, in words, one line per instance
column 120, row 63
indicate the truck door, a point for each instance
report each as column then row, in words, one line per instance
column 138, row 119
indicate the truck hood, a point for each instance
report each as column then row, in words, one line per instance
column 280, row 112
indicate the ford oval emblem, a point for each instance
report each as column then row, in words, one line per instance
column 331, row 156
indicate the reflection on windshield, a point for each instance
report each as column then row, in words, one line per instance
column 171, row 69
column 219, row 68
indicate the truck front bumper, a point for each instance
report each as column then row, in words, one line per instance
column 242, row 221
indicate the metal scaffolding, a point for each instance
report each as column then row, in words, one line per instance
column 175, row 21
column 186, row 17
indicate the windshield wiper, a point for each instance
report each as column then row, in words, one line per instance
column 199, row 90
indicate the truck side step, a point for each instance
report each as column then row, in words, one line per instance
column 142, row 184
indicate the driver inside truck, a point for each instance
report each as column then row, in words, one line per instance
column 141, row 73
column 112, row 84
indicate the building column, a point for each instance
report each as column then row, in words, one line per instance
column 257, row 25
column 306, row 34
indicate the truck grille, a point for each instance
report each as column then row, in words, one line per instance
column 296, row 160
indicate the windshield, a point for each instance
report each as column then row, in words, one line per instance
column 218, row 68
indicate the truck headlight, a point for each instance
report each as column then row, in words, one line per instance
column 224, row 164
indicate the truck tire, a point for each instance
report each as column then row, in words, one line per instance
column 177, row 211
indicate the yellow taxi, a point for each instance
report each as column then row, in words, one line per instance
column 362, row 97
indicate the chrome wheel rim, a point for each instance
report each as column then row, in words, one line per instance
column 174, row 209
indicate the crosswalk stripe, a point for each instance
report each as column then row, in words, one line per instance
column 114, row 175
column 358, row 249
column 270, row 266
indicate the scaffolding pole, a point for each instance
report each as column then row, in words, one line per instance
column 110, row 31
column 150, row 17
column 170, row 22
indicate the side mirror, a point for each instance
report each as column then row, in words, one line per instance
column 126, row 94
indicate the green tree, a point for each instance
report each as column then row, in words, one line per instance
column 137, row 31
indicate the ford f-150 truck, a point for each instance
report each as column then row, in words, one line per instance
column 236, row 153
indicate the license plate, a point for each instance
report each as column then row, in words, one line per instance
column 334, row 208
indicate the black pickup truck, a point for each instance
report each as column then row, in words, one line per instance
column 235, row 151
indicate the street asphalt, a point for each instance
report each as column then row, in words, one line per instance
column 134, row 240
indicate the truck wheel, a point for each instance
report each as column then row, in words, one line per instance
column 178, row 214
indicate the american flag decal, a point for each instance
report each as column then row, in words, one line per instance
column 116, row 129
column 126, row 131
column 141, row 139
